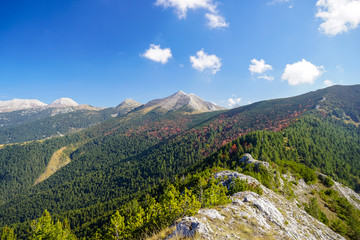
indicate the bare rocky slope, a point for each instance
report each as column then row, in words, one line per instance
column 253, row 216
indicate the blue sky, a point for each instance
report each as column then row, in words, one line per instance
column 231, row 52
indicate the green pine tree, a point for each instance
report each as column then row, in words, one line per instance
column 45, row 229
column 7, row 233
column 117, row 226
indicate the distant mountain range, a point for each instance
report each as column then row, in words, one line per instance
column 64, row 115
column 21, row 104
column 174, row 102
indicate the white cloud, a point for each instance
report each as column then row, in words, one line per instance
column 277, row 1
column 266, row 77
column 302, row 72
column 182, row 7
column 216, row 21
column 155, row 53
column 259, row 67
column 328, row 83
column 202, row 61
column 340, row 68
column 338, row 15
column 281, row 1
column 233, row 102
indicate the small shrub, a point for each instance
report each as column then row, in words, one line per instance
column 314, row 210
column 339, row 227
column 239, row 185
column 327, row 181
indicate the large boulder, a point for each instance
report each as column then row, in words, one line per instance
column 189, row 226
column 248, row 159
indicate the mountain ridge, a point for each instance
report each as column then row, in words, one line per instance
column 170, row 103
column 20, row 104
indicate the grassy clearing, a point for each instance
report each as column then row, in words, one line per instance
column 59, row 159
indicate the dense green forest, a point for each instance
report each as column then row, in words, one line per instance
column 20, row 165
column 194, row 188
column 103, row 147
column 328, row 145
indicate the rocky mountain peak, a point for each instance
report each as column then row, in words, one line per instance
column 181, row 99
column 180, row 93
column 130, row 102
column 63, row 102
column 127, row 106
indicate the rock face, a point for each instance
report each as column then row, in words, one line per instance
column 181, row 99
column 348, row 193
column 253, row 216
column 20, row 104
column 248, row 159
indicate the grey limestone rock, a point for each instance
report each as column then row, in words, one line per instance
column 248, row 159
column 189, row 226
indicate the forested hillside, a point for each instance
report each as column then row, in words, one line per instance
column 135, row 154
column 272, row 147
column 98, row 148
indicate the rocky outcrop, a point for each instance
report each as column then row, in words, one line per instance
column 348, row 193
column 344, row 191
column 248, row 159
column 191, row 226
column 228, row 176
column 253, row 216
